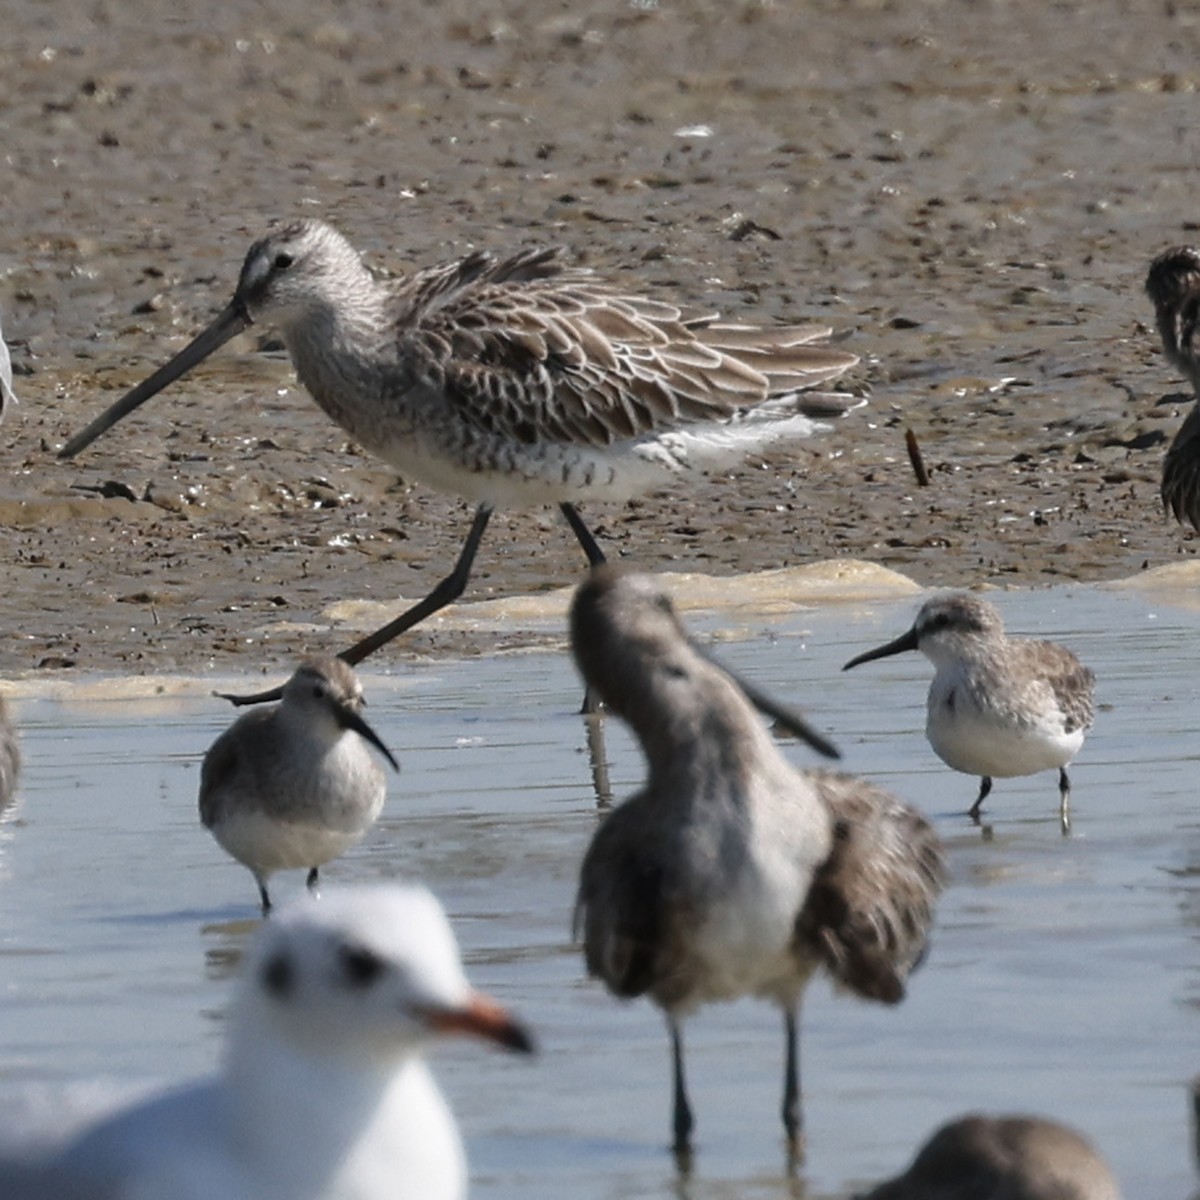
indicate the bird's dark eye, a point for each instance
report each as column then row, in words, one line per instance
column 283, row 261
column 278, row 975
column 362, row 967
column 318, row 691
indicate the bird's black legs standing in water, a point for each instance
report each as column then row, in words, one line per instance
column 445, row 593
column 985, row 786
column 1064, row 800
column 264, row 898
column 313, row 880
column 681, row 1109
column 793, row 1120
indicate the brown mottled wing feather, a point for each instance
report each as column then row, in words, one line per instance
column 619, row 909
column 871, row 903
column 1073, row 684
column 529, row 350
column 1180, row 488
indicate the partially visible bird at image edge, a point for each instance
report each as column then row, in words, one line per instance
column 1173, row 285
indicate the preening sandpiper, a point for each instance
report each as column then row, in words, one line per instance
column 324, row 1091
column 998, row 706
column 732, row 873
column 1173, row 285
column 295, row 785
column 515, row 381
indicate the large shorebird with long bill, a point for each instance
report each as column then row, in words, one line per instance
column 514, row 381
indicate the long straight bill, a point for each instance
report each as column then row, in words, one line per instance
column 229, row 324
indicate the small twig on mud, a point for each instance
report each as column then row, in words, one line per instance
column 914, row 457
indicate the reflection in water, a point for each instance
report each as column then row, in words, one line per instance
column 223, row 958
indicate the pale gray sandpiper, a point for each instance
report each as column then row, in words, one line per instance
column 998, row 706
column 10, row 757
column 1003, row 1158
column 731, row 873
column 324, row 1090
column 295, row 785
column 515, row 381
column 1173, row 285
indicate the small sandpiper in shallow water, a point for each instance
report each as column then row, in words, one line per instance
column 998, row 706
column 295, row 785
column 731, row 873
column 515, row 381
column 1173, row 285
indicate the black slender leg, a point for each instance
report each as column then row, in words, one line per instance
column 985, row 788
column 313, row 880
column 264, row 899
column 1064, row 800
column 583, row 535
column 444, row 594
column 681, row 1109
column 793, row 1118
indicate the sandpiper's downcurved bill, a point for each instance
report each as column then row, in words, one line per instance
column 232, row 320
column 347, row 718
column 906, row 641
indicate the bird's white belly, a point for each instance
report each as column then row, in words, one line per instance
column 517, row 476
column 745, row 944
column 978, row 742
column 265, row 843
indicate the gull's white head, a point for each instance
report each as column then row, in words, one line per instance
column 366, row 974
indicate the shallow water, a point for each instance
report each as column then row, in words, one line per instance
column 1063, row 978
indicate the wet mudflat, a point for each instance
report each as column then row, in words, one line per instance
column 968, row 192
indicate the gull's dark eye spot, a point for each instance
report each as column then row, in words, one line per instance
column 318, row 690
column 361, row 967
column 278, row 975
column 283, row 261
